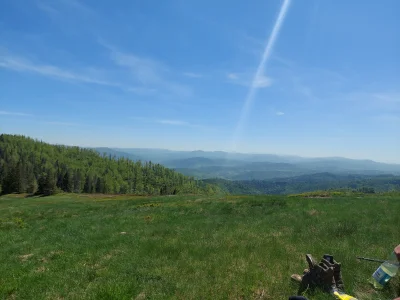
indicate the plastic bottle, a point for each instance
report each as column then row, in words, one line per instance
column 387, row 270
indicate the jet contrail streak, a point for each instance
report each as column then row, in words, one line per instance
column 259, row 73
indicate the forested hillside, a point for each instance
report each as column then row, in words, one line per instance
column 308, row 183
column 31, row 166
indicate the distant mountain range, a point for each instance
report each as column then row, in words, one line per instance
column 241, row 166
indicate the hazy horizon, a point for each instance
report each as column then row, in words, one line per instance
column 311, row 79
column 117, row 148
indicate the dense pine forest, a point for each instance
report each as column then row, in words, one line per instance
column 35, row 167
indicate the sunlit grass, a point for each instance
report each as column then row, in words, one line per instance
column 188, row 247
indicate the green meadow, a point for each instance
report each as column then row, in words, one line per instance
column 189, row 247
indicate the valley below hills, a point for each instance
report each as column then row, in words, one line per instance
column 242, row 166
column 240, row 173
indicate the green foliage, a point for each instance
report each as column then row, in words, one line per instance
column 15, row 222
column 366, row 190
column 31, row 166
column 324, row 194
column 32, row 186
column 47, row 183
column 189, row 247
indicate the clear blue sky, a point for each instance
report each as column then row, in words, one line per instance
column 311, row 78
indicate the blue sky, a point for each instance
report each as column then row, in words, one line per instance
column 311, row 78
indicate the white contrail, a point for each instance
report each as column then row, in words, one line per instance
column 259, row 73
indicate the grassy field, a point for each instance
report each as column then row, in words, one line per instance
column 188, row 247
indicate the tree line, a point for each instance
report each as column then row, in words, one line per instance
column 35, row 167
column 308, row 183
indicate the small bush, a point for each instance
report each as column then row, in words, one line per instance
column 366, row 190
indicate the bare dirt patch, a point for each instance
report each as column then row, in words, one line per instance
column 313, row 212
column 141, row 296
column 41, row 269
column 25, row 257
